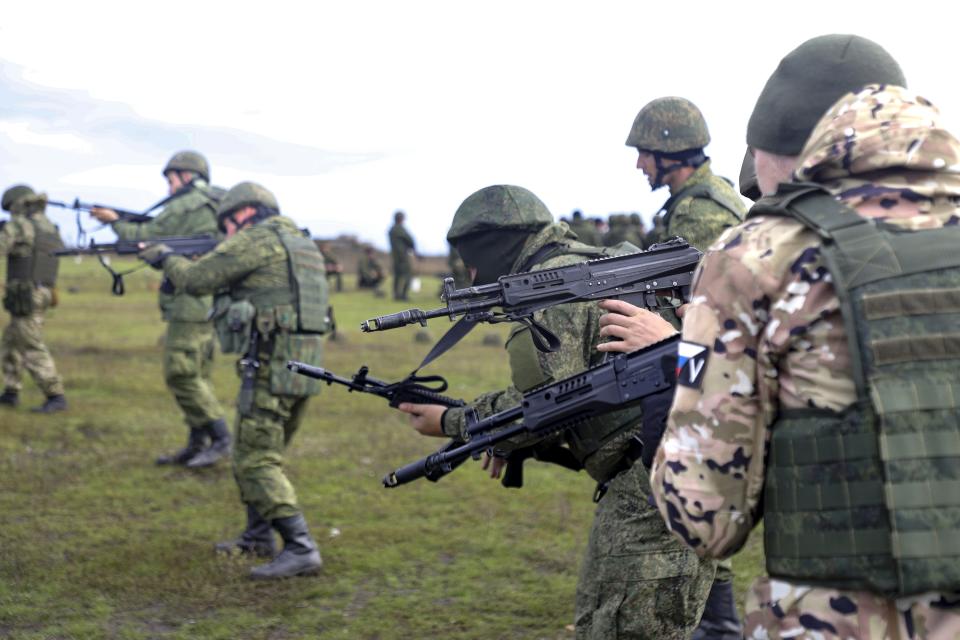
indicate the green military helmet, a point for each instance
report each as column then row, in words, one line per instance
column 245, row 194
column 749, row 186
column 15, row 193
column 807, row 83
column 669, row 125
column 496, row 208
column 189, row 161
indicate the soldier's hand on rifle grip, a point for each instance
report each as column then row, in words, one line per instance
column 155, row 254
column 427, row 419
column 104, row 215
column 493, row 464
column 634, row 328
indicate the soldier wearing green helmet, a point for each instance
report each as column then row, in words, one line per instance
column 188, row 346
column 635, row 582
column 670, row 134
column 26, row 241
column 271, row 307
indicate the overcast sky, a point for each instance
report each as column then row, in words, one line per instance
column 350, row 110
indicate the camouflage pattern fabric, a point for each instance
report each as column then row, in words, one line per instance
column 22, row 344
column 635, row 581
column 401, row 246
column 700, row 220
column 22, row 348
column 187, row 350
column 369, row 272
column 254, row 260
column 766, row 312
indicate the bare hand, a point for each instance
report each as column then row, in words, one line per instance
column 636, row 328
column 425, row 418
column 104, row 215
column 493, row 464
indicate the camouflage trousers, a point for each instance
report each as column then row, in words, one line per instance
column 777, row 610
column 22, row 348
column 402, row 273
column 637, row 580
column 262, row 435
column 187, row 362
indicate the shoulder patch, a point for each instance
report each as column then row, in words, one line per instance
column 691, row 363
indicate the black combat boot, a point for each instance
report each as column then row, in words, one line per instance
column 300, row 555
column 256, row 539
column 10, row 398
column 195, row 444
column 219, row 445
column 53, row 404
column 719, row 620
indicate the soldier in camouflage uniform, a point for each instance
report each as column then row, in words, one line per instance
column 670, row 135
column 271, row 307
column 188, row 345
column 635, row 582
column 27, row 241
column 818, row 357
column 369, row 271
column 402, row 248
column 585, row 229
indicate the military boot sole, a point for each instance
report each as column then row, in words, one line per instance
column 309, row 564
column 208, row 458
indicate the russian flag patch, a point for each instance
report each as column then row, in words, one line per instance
column 691, row 363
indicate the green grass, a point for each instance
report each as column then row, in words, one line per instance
column 97, row 542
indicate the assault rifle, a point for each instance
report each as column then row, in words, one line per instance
column 665, row 269
column 620, row 381
column 189, row 246
column 126, row 216
column 413, row 389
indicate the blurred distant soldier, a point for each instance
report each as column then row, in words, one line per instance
column 461, row 277
column 28, row 240
column 271, row 307
column 332, row 266
column 585, row 229
column 600, row 228
column 370, row 273
column 669, row 135
column 635, row 233
column 402, row 249
column 617, row 230
column 188, row 346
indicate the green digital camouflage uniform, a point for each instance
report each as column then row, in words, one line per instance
column 251, row 264
column 188, row 346
column 765, row 309
column 586, row 231
column 702, row 208
column 401, row 246
column 22, row 345
column 369, row 272
column 635, row 581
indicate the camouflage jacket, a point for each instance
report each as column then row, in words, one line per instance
column 401, row 243
column 696, row 218
column 16, row 237
column 192, row 213
column 577, row 326
column 765, row 314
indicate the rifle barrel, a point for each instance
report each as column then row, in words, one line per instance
column 401, row 319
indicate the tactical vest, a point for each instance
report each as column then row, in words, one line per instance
column 526, row 373
column 41, row 266
column 725, row 199
column 869, row 498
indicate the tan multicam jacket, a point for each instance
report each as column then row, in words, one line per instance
column 765, row 310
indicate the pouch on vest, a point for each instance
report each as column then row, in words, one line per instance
column 304, row 347
column 18, row 298
column 233, row 324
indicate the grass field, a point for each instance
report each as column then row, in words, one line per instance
column 97, row 542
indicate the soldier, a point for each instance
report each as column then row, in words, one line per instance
column 585, row 229
column 669, row 135
column 370, row 272
column 188, row 344
column 27, row 241
column 401, row 249
column 818, row 359
column 274, row 310
column 616, row 230
column 635, row 581
column 332, row 266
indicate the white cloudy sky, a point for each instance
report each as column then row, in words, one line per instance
column 349, row 110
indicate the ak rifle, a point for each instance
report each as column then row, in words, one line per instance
column 123, row 214
column 620, row 381
column 413, row 389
